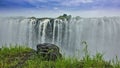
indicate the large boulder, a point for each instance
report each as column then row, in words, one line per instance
column 48, row 51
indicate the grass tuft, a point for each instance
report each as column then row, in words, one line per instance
column 11, row 56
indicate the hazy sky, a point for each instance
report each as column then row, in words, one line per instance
column 52, row 8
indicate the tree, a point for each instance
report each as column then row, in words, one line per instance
column 65, row 16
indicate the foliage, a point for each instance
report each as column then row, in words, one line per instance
column 65, row 16
column 9, row 57
column 32, row 17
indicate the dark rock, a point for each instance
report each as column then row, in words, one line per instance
column 48, row 51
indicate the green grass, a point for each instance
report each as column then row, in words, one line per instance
column 13, row 50
column 85, row 62
column 10, row 56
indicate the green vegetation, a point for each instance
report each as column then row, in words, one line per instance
column 39, row 18
column 65, row 16
column 12, row 56
column 13, row 50
column 31, row 17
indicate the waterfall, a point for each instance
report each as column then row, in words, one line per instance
column 101, row 34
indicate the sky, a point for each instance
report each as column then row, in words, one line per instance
column 53, row 8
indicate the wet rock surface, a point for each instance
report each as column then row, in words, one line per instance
column 48, row 51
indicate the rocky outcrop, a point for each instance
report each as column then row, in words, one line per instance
column 48, row 51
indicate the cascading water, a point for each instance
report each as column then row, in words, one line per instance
column 101, row 34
